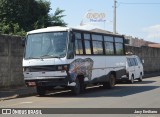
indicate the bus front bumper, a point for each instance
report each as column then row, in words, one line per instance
column 48, row 81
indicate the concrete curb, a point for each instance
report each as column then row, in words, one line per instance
column 8, row 98
column 12, row 93
column 27, row 95
column 18, row 96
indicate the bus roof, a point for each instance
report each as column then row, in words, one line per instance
column 60, row 28
column 49, row 29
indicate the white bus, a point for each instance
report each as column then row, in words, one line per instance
column 74, row 58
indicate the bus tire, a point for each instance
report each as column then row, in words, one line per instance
column 82, row 84
column 111, row 83
column 83, row 87
column 41, row 91
column 77, row 88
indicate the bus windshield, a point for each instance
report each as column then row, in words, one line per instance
column 46, row 45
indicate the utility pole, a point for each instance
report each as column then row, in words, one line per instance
column 114, row 19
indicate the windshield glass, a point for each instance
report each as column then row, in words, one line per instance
column 46, row 45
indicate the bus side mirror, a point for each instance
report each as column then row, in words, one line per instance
column 70, row 54
column 23, row 42
column 143, row 61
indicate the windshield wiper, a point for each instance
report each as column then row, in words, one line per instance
column 57, row 57
column 50, row 56
column 45, row 56
column 32, row 58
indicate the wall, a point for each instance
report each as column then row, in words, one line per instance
column 151, row 57
column 136, row 42
column 11, row 53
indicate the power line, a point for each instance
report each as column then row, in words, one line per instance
column 142, row 3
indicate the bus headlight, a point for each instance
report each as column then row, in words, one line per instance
column 60, row 68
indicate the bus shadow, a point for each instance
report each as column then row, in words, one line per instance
column 136, row 82
column 145, row 82
column 98, row 91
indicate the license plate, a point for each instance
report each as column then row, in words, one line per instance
column 31, row 83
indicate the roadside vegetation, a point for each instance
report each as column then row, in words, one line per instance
column 19, row 16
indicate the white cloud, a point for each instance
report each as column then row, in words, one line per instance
column 153, row 32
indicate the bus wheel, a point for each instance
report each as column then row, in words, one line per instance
column 140, row 78
column 41, row 91
column 111, row 83
column 83, row 87
column 77, row 88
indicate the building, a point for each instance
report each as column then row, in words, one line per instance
column 154, row 45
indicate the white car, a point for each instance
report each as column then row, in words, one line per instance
column 134, row 68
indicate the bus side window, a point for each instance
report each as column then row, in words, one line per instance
column 78, row 44
column 97, row 44
column 109, row 45
column 79, row 47
column 119, row 46
column 97, row 47
column 87, row 43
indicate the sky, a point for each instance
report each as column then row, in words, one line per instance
column 137, row 20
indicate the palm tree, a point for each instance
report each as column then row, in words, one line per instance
column 56, row 19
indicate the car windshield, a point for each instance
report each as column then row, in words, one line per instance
column 46, row 45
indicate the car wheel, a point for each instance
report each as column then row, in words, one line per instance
column 140, row 78
column 132, row 79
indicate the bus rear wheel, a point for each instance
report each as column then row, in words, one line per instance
column 111, row 83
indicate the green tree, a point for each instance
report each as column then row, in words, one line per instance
column 20, row 16
column 56, row 19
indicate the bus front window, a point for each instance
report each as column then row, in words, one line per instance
column 46, row 45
